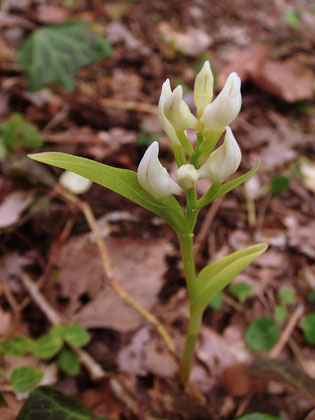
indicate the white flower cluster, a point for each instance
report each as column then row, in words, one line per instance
column 213, row 119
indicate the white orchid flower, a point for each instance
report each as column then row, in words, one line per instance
column 203, row 88
column 153, row 177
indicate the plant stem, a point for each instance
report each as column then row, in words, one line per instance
column 190, row 342
column 186, row 247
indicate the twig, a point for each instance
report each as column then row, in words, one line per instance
column 285, row 336
column 202, row 235
column 148, row 316
column 128, row 105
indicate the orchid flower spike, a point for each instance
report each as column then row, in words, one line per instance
column 226, row 106
column 166, row 125
column 224, row 161
column 153, row 177
column 203, row 88
column 178, row 112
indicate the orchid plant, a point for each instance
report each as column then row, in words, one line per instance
column 153, row 188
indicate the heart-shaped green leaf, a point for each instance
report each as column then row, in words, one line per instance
column 214, row 277
column 121, row 181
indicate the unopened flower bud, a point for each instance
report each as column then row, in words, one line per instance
column 226, row 106
column 224, row 161
column 153, row 177
column 177, row 111
column 203, row 89
column 187, row 176
column 166, row 125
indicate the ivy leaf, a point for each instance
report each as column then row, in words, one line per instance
column 69, row 363
column 76, row 335
column 47, row 346
column 47, row 403
column 262, row 334
column 214, row 277
column 121, row 181
column 17, row 131
column 25, row 378
column 55, row 53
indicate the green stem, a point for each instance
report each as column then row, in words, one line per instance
column 179, row 155
column 185, row 142
column 186, row 247
column 209, row 196
column 190, row 342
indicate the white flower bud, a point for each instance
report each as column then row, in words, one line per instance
column 224, row 161
column 203, row 89
column 187, row 176
column 166, row 125
column 178, row 113
column 226, row 106
column 153, row 177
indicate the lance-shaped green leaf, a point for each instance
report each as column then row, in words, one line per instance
column 214, row 277
column 121, row 181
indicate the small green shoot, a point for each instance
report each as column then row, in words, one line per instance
column 287, row 295
column 217, row 302
column 280, row 313
column 279, row 184
column 242, row 291
column 262, row 334
column 308, row 327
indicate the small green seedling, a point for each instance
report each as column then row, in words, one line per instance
column 46, row 347
column 153, row 188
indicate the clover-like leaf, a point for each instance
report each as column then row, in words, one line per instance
column 121, row 181
column 55, row 53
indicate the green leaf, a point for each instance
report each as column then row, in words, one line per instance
column 19, row 346
column 292, row 19
column 262, row 334
column 287, row 295
column 228, row 186
column 69, row 363
column 311, row 296
column 259, row 416
column 18, row 132
column 308, row 327
column 279, row 184
column 214, row 277
column 216, row 302
column 121, row 181
column 280, row 313
column 47, row 346
column 76, row 335
column 54, row 54
column 25, row 378
column 49, row 404
column 241, row 290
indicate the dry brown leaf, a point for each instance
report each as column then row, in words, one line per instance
column 12, row 410
column 138, row 266
column 290, row 80
column 13, row 206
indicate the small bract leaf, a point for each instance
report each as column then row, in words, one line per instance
column 19, row 346
column 262, row 334
column 308, row 327
column 56, row 53
column 69, row 363
column 47, row 346
column 121, row 181
column 241, row 290
column 76, row 335
column 25, row 378
column 45, row 402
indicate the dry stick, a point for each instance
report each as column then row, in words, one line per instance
column 286, row 334
column 95, row 369
column 148, row 316
column 206, row 226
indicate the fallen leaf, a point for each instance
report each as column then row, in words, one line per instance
column 290, row 80
column 138, row 266
column 192, row 42
column 13, row 206
column 11, row 411
column 308, row 170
